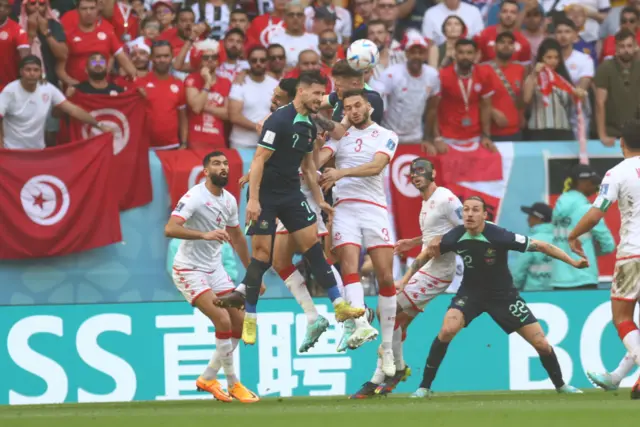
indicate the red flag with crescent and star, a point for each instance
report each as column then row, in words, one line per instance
column 59, row 200
column 125, row 114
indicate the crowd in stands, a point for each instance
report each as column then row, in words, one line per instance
column 552, row 70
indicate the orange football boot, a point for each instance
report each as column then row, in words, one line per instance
column 243, row 394
column 213, row 387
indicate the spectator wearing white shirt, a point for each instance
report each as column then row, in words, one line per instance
column 250, row 101
column 234, row 48
column 342, row 25
column 410, row 91
column 436, row 15
column 596, row 13
column 25, row 104
column 579, row 65
column 294, row 38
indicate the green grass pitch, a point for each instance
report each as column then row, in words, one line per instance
column 512, row 409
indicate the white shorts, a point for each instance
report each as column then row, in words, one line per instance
column 193, row 283
column 626, row 280
column 360, row 224
column 428, row 282
column 322, row 228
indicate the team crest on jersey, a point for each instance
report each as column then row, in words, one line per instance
column 45, row 97
column 374, row 134
column 174, row 88
column 4, row 35
column 477, row 87
column 102, row 36
column 490, row 256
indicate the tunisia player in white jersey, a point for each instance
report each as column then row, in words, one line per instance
column 205, row 218
column 621, row 184
column 441, row 211
column 361, row 217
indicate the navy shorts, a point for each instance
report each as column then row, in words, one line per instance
column 509, row 311
column 291, row 209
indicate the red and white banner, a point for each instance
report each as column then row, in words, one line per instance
column 183, row 169
column 125, row 113
column 466, row 173
column 59, row 200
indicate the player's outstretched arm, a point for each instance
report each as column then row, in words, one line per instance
column 416, row 265
column 586, row 224
column 334, row 129
column 555, row 252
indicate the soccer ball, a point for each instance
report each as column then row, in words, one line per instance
column 362, row 55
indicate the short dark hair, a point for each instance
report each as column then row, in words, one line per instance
column 630, row 132
column 312, row 77
column 80, row 1
column 161, row 43
column 208, row 157
column 478, row 199
column 289, row 86
column 329, row 30
column 276, row 46
column 92, row 54
column 343, row 69
column 466, row 42
column 185, row 10
column 629, row 9
column 377, row 22
column 150, row 19
column 513, row 2
column 29, row 59
column 354, row 92
column 563, row 20
column 256, row 48
column 238, row 12
column 624, row 34
column 505, row 35
column 233, row 31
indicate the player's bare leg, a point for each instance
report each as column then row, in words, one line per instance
column 306, row 240
column 534, row 335
column 452, row 324
column 382, row 259
column 349, row 256
column 223, row 353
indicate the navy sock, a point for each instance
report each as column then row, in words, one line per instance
column 436, row 355
column 552, row 366
column 252, row 280
column 321, row 270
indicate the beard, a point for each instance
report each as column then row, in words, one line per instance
column 464, row 64
column 97, row 75
column 625, row 57
column 258, row 72
column 504, row 56
column 313, row 107
column 219, row 181
column 233, row 54
column 365, row 119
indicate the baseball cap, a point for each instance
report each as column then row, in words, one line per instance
column 413, row 38
column 325, row 13
column 166, row 3
column 581, row 171
column 539, row 210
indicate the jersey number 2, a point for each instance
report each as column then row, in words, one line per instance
column 296, row 137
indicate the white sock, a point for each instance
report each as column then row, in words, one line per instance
column 338, row 280
column 216, row 362
column 242, row 288
column 632, row 343
column 225, row 349
column 378, row 375
column 295, row 283
column 387, row 307
column 397, row 348
column 624, row 368
column 355, row 294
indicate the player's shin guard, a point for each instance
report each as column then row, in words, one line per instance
column 397, row 347
column 322, row 272
column 436, row 355
column 387, row 306
column 552, row 366
column 298, row 288
column 253, row 279
column 630, row 336
column 353, row 290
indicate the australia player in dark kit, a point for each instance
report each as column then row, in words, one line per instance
column 286, row 144
column 487, row 287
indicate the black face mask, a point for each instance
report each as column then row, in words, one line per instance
column 423, row 168
column 219, row 181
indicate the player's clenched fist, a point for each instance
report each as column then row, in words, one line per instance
column 218, row 235
column 253, row 210
column 580, row 263
column 433, row 248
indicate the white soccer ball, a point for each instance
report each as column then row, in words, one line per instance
column 362, row 55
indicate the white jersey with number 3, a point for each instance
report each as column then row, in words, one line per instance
column 203, row 211
column 357, row 147
column 622, row 184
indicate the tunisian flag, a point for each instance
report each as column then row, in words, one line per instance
column 59, row 200
column 407, row 201
column 183, row 169
column 125, row 113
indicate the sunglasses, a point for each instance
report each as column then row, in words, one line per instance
column 328, row 41
column 98, row 63
column 258, row 60
column 277, row 58
column 296, row 14
column 209, row 57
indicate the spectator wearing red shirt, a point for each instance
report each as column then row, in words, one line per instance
column 508, row 18
column 464, row 110
column 167, row 121
column 507, row 105
column 139, row 53
column 309, row 60
column 182, row 33
column 14, row 45
column 629, row 19
column 207, row 98
column 240, row 19
column 164, row 11
column 120, row 15
column 277, row 57
column 264, row 26
column 86, row 39
column 149, row 31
